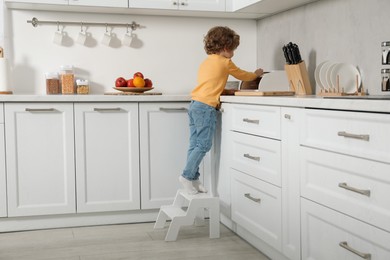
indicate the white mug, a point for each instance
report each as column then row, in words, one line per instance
column 82, row 38
column 58, row 36
column 107, row 38
column 127, row 39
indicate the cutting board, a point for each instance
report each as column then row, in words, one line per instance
column 133, row 93
column 263, row 93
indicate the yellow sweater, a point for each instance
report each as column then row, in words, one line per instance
column 212, row 77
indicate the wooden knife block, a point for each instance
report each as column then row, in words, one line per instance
column 298, row 78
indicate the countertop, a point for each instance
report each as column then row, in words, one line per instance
column 288, row 101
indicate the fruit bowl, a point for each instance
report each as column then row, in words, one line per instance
column 127, row 89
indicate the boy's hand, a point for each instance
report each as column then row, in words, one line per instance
column 259, row 72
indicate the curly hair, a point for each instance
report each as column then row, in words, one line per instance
column 220, row 38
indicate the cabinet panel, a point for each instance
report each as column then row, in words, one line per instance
column 3, row 187
column 164, row 137
column 348, row 184
column 352, row 133
column 108, row 3
column 107, row 157
column 324, row 229
column 40, row 158
column 192, row 5
column 256, row 206
column 56, row 2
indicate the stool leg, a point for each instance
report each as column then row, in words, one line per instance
column 214, row 220
column 173, row 231
column 161, row 219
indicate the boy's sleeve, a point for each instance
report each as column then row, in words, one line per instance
column 239, row 73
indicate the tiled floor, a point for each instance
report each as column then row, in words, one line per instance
column 128, row 241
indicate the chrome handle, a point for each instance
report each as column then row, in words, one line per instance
column 183, row 4
column 363, row 192
column 167, row 109
column 106, row 109
column 40, row 109
column 252, row 121
column 355, row 136
column 345, row 245
column 256, row 158
column 248, row 195
column 287, row 116
column 174, row 3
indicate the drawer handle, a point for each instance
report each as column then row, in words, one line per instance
column 166, row 109
column 345, row 245
column 256, row 158
column 287, row 116
column 248, row 195
column 344, row 185
column 106, row 109
column 355, row 136
column 252, row 121
column 40, row 109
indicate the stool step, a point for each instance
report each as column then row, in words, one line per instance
column 173, row 211
column 189, row 197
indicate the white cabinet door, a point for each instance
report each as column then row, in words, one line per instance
column 3, row 186
column 107, row 3
column 55, row 2
column 40, row 158
column 164, row 138
column 191, row 5
column 107, row 156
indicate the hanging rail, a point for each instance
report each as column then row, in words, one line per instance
column 35, row 22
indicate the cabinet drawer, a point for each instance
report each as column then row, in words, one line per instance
column 256, row 206
column 327, row 234
column 257, row 156
column 357, row 187
column 360, row 134
column 257, row 120
column 1, row 113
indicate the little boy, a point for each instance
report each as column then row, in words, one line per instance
column 220, row 44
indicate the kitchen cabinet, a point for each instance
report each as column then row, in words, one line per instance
column 53, row 2
column 3, row 187
column 104, row 3
column 107, row 157
column 345, row 185
column 265, row 6
column 164, row 140
column 40, row 158
column 191, row 5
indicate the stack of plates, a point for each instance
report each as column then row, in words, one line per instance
column 327, row 73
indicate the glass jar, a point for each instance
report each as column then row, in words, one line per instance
column 67, row 79
column 52, row 83
column 385, row 53
column 82, row 86
column 385, row 79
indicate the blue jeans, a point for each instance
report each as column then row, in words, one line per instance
column 203, row 119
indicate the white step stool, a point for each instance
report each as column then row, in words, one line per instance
column 195, row 213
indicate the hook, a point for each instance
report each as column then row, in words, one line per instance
column 81, row 26
column 58, row 26
column 106, row 28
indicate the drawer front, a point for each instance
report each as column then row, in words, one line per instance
column 257, row 120
column 357, row 187
column 257, row 156
column 360, row 134
column 256, row 206
column 327, row 234
column 1, row 113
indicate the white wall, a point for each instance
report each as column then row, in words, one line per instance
column 169, row 50
column 338, row 30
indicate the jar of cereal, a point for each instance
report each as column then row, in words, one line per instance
column 52, row 83
column 67, row 79
column 82, row 86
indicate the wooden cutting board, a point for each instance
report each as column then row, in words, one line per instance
column 263, row 93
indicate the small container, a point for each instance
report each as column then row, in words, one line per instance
column 67, row 79
column 385, row 53
column 385, row 79
column 52, row 83
column 82, row 86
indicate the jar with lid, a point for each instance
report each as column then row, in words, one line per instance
column 52, row 83
column 82, row 86
column 385, row 79
column 67, row 79
column 385, row 53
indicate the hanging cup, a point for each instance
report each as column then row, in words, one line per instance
column 82, row 36
column 58, row 35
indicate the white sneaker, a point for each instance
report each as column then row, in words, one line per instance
column 199, row 186
column 190, row 189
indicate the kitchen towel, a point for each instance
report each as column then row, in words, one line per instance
column 4, row 75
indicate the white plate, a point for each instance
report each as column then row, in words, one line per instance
column 347, row 77
column 317, row 75
column 324, row 74
column 329, row 81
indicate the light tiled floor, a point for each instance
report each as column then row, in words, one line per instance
column 127, row 241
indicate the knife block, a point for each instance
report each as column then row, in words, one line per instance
column 298, row 78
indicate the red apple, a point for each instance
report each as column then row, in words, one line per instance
column 120, row 82
column 138, row 74
column 148, row 83
column 130, row 83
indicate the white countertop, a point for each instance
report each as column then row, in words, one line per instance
column 295, row 101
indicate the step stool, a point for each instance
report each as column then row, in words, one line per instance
column 197, row 203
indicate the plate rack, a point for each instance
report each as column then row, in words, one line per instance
column 339, row 90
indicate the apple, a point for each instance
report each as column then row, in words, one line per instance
column 130, row 83
column 148, row 83
column 138, row 74
column 120, row 82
